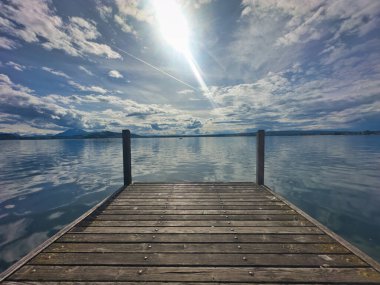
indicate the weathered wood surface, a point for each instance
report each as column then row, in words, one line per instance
column 127, row 158
column 197, row 238
column 162, row 223
column 198, row 230
column 260, row 153
column 195, row 233
column 197, row 274
column 198, row 247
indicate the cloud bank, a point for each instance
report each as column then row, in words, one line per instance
column 270, row 64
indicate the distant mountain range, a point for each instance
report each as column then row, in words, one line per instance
column 68, row 134
column 81, row 134
column 72, row 133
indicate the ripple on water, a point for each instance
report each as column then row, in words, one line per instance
column 47, row 184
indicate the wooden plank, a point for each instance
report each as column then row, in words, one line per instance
column 105, row 217
column 134, row 283
column 206, row 189
column 208, row 185
column 184, row 184
column 191, row 183
column 197, row 199
column 319, row 248
column 199, row 259
column 179, row 203
column 196, row 191
column 191, row 274
column 183, row 200
column 211, row 188
column 166, row 223
column 197, row 212
column 195, row 202
column 190, row 195
column 196, row 238
column 195, row 183
column 192, row 190
column 197, row 207
column 263, row 198
column 189, row 230
column 216, row 187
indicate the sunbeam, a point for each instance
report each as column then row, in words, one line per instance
column 155, row 68
column 175, row 30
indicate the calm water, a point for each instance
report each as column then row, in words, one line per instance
column 44, row 185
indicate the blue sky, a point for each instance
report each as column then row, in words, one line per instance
column 106, row 65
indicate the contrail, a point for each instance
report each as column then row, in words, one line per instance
column 155, row 68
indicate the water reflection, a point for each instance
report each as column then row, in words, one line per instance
column 334, row 179
column 194, row 159
column 47, row 184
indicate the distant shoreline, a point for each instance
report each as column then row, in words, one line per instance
column 101, row 135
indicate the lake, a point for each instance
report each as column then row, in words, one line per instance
column 46, row 184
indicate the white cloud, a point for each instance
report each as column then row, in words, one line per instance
column 115, row 74
column 135, row 9
column 37, row 23
column 292, row 7
column 132, row 9
column 280, row 65
column 21, row 107
column 283, row 100
column 55, row 72
column 118, row 112
column 5, row 80
column 123, row 25
column 16, row 66
column 197, row 4
column 130, row 107
column 105, row 12
column 78, row 86
column 6, row 43
column 186, row 92
column 310, row 20
column 304, row 32
column 271, row 35
column 85, row 70
column 30, row 109
column 92, row 88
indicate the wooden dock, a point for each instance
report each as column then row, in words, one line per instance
column 195, row 233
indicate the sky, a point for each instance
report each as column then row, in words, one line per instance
column 189, row 67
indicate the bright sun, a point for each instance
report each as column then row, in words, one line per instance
column 173, row 24
column 175, row 30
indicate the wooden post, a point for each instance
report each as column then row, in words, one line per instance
column 127, row 167
column 260, row 150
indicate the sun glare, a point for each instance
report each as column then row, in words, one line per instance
column 175, row 30
column 173, row 24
